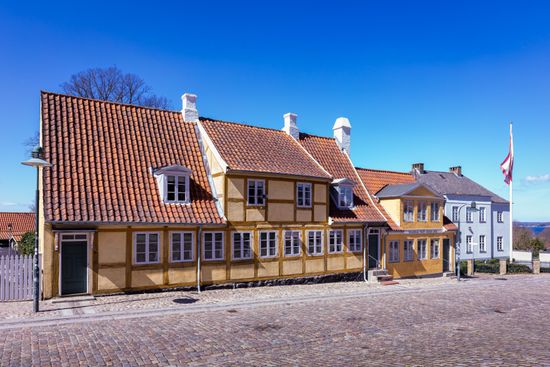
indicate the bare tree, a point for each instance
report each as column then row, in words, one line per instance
column 111, row 84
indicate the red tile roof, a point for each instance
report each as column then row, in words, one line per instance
column 21, row 223
column 328, row 154
column 102, row 154
column 257, row 149
column 375, row 180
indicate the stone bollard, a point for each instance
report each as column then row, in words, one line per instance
column 502, row 264
column 536, row 266
column 470, row 270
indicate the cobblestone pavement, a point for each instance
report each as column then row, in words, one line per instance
column 479, row 322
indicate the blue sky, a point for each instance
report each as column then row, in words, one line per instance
column 424, row 81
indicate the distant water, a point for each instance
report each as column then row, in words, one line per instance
column 537, row 230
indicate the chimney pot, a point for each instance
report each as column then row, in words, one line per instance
column 342, row 133
column 418, row 167
column 290, row 126
column 189, row 108
column 457, row 170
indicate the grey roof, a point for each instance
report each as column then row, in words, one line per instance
column 448, row 183
column 391, row 191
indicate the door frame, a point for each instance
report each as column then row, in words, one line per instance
column 377, row 232
column 89, row 241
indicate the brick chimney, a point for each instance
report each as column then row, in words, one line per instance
column 418, row 167
column 290, row 126
column 342, row 133
column 457, row 170
column 189, row 108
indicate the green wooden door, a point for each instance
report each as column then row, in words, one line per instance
column 74, row 267
column 446, row 260
column 373, row 250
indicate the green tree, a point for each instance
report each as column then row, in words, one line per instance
column 522, row 238
column 26, row 245
column 537, row 245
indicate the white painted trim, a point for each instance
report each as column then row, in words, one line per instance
column 349, row 232
column 300, row 240
column 256, row 180
column 398, row 251
column 251, row 244
column 260, row 244
column 341, row 243
column 315, row 253
column 170, row 258
column 213, row 249
column 310, row 195
column 426, row 257
column 438, row 249
column 134, row 252
column 212, row 147
column 411, row 243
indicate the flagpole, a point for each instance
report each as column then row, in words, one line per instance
column 511, row 199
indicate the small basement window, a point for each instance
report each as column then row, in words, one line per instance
column 173, row 184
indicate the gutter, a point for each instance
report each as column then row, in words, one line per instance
column 199, row 240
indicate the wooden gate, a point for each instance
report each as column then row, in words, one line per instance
column 15, row 278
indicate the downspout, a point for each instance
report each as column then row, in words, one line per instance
column 366, row 241
column 199, row 240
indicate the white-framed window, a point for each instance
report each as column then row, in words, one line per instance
column 469, row 214
column 434, row 248
column 213, row 246
column 292, row 243
column 315, row 242
column 434, row 212
column 335, row 240
column 303, row 194
column 181, row 246
column 177, row 188
column 408, row 251
column 355, row 242
column 482, row 214
column 345, row 196
column 421, row 215
column 499, row 217
column 408, row 211
column 268, row 244
column 482, row 247
column 242, row 245
column 421, row 248
column 394, row 251
column 256, row 192
column 455, row 214
column 499, row 244
column 146, row 247
column 469, row 244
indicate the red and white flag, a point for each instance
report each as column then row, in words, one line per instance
column 507, row 166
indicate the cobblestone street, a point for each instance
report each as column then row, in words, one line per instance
column 485, row 321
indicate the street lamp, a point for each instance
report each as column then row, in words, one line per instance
column 10, row 229
column 37, row 161
column 459, row 239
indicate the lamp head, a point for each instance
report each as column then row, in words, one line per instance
column 37, row 159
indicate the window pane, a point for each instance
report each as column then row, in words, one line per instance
column 260, row 192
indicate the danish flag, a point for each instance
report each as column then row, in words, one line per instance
column 507, row 166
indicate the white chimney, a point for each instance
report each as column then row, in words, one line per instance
column 290, row 125
column 189, row 108
column 342, row 133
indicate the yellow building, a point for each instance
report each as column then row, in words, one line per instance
column 139, row 198
column 420, row 239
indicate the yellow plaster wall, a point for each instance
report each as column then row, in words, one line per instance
column 393, row 208
column 335, row 263
column 281, row 190
column 320, row 193
column 147, row 277
column 235, row 211
column 268, row 269
column 46, row 247
column 303, row 215
column 315, row 265
column 291, row 267
column 354, row 262
column 111, row 247
column 242, row 271
column 236, row 188
column 111, row 278
column 280, row 212
column 182, row 275
column 255, row 215
column 320, row 213
column 213, row 273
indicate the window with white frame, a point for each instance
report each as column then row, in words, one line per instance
column 408, row 211
column 434, row 248
column 268, row 244
column 335, row 240
column 177, row 189
column 181, row 246
column 421, row 248
column 303, row 194
column 421, row 212
column 469, row 244
column 455, row 214
column 355, row 243
column 213, row 246
column 292, row 243
column 499, row 244
column 482, row 247
column 242, row 245
column 256, row 192
column 408, row 251
column 434, row 212
column 146, row 248
column 499, row 217
column 345, row 196
column 315, row 242
column 394, row 251
column 482, row 213
column 469, row 215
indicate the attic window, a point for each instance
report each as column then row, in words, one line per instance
column 344, row 193
column 173, row 184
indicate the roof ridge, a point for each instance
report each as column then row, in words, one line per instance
column 318, row 136
column 383, row 170
column 202, row 118
column 107, row 102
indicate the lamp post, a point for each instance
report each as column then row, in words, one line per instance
column 459, row 240
column 10, row 228
column 37, row 161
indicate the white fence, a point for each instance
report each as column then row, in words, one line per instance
column 522, row 256
column 544, row 258
column 15, row 278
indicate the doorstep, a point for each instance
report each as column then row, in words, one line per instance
column 79, row 298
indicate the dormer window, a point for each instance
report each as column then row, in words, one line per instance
column 344, row 193
column 173, row 184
